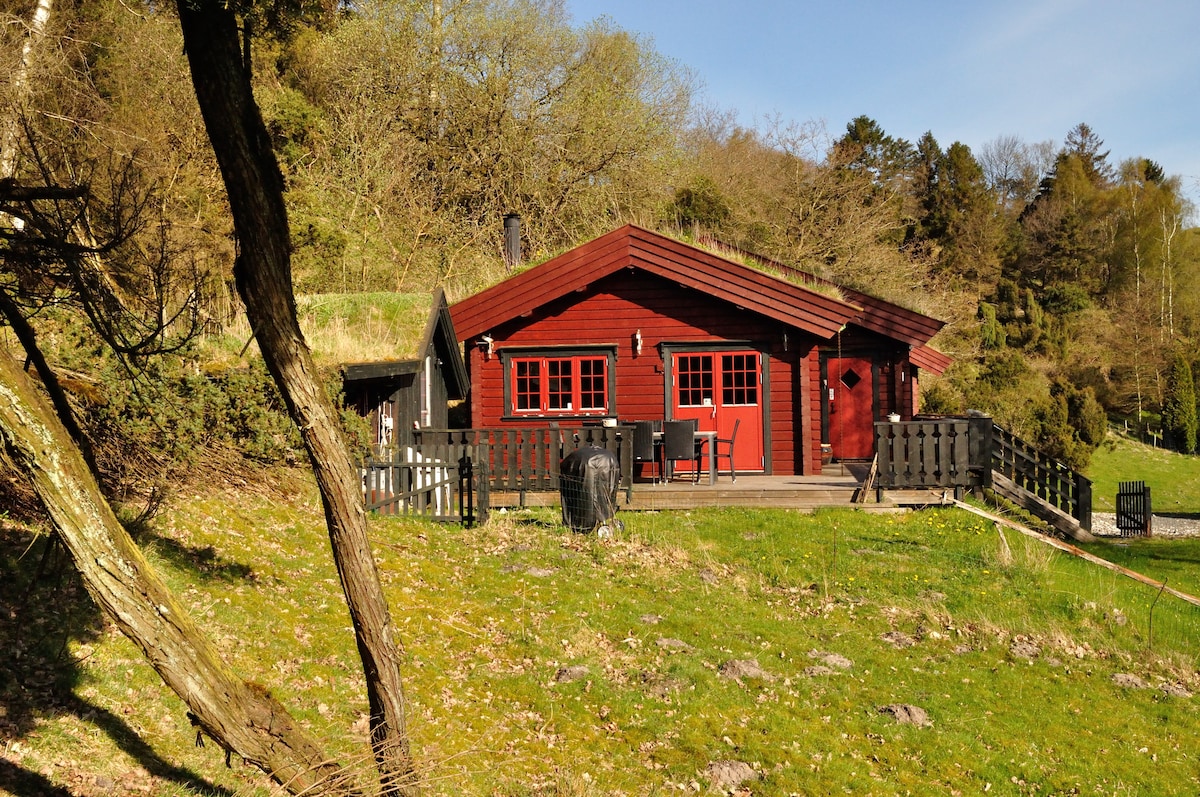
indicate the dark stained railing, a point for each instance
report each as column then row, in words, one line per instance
column 1045, row 477
column 924, row 454
column 962, row 453
column 526, row 459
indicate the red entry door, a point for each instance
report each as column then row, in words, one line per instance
column 718, row 389
column 850, row 397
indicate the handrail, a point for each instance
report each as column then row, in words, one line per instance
column 963, row 452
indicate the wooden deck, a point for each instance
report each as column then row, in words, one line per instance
column 835, row 488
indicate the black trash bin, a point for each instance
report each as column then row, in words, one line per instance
column 588, row 481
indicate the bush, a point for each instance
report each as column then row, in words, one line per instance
column 991, row 332
column 152, row 426
column 1056, row 437
column 1004, row 369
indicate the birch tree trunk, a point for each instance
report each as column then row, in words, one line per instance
column 241, row 717
column 10, row 125
column 263, row 273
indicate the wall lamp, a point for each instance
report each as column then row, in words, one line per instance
column 488, row 344
column 637, row 342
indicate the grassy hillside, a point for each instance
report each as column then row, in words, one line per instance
column 1012, row 651
column 1174, row 479
column 343, row 328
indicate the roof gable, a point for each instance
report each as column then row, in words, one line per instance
column 637, row 248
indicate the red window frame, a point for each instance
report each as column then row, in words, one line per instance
column 559, row 385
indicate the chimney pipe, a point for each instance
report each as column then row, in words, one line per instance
column 512, row 240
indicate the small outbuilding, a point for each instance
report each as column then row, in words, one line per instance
column 400, row 395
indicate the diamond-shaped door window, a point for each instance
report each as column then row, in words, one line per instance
column 851, row 378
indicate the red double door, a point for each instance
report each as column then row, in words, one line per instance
column 719, row 388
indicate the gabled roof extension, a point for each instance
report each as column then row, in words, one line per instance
column 634, row 247
column 930, row 360
column 439, row 340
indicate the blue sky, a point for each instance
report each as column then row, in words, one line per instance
column 968, row 71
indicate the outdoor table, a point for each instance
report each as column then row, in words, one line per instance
column 710, row 438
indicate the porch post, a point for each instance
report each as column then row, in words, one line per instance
column 979, row 434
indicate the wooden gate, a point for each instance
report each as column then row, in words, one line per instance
column 1134, row 518
column 442, row 482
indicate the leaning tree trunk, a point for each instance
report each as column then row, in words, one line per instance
column 264, row 279
column 241, row 717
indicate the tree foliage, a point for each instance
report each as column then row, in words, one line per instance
column 436, row 120
column 1179, row 419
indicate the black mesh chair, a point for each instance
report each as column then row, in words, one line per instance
column 720, row 442
column 679, row 442
column 644, row 448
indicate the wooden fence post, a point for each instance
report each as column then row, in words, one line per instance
column 1083, row 501
column 980, row 433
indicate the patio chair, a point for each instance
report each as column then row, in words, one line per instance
column 679, row 442
column 720, row 442
column 644, row 447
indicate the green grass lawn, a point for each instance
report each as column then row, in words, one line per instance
column 1174, row 479
column 1010, row 647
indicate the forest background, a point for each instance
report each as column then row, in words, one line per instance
column 406, row 130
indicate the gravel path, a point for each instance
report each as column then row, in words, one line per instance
column 1104, row 524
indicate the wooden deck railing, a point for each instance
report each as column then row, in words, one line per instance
column 1045, row 477
column 527, row 459
column 922, row 454
column 964, row 453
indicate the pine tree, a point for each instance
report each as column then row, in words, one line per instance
column 1179, row 407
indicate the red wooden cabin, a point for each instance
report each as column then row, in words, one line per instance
column 637, row 326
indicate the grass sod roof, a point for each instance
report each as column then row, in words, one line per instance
column 338, row 328
column 364, row 327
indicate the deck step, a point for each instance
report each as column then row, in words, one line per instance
column 691, row 498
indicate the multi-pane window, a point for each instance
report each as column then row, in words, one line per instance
column 739, row 379
column 560, row 385
column 527, row 385
column 593, row 383
column 694, row 375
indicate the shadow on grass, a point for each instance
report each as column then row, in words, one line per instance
column 1167, row 554
column 16, row 779
column 45, row 608
column 204, row 562
column 545, row 523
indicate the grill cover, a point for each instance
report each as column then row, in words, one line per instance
column 588, row 481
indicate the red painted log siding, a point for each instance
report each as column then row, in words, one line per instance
column 886, row 390
column 610, row 311
column 810, row 412
column 912, row 391
column 782, row 438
